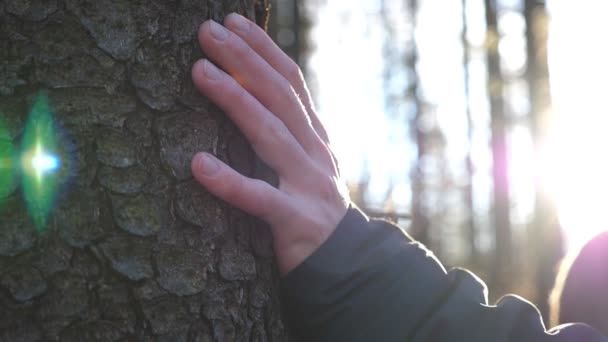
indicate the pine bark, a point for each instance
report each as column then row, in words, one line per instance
column 134, row 249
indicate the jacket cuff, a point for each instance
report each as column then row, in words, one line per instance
column 309, row 291
column 330, row 255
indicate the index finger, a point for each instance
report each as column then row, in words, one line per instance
column 261, row 43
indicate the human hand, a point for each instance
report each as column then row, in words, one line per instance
column 265, row 95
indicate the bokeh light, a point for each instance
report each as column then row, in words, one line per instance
column 40, row 161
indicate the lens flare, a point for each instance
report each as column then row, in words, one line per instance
column 44, row 162
column 39, row 161
column 8, row 170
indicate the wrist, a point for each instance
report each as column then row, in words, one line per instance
column 292, row 253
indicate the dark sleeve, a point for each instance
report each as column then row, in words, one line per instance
column 371, row 282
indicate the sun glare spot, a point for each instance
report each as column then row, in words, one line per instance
column 44, row 162
column 577, row 164
column 575, row 173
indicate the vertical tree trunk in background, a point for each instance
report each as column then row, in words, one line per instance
column 134, row 249
column 421, row 222
column 501, row 268
column 471, row 229
column 545, row 234
column 284, row 27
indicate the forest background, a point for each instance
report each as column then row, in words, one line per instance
column 476, row 124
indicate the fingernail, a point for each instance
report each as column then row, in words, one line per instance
column 206, row 164
column 239, row 22
column 211, row 71
column 218, row 31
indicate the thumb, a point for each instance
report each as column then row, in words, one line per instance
column 253, row 196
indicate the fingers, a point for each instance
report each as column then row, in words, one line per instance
column 261, row 43
column 260, row 79
column 253, row 196
column 269, row 137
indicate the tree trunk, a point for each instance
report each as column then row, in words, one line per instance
column 502, row 264
column 471, row 227
column 421, row 220
column 132, row 248
column 545, row 233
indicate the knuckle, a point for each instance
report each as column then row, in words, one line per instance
column 279, row 133
column 287, row 96
column 264, row 134
column 262, row 205
column 273, row 133
column 267, row 125
column 294, row 73
column 325, row 187
column 255, row 35
column 241, row 96
column 233, row 190
column 238, row 95
column 285, row 90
